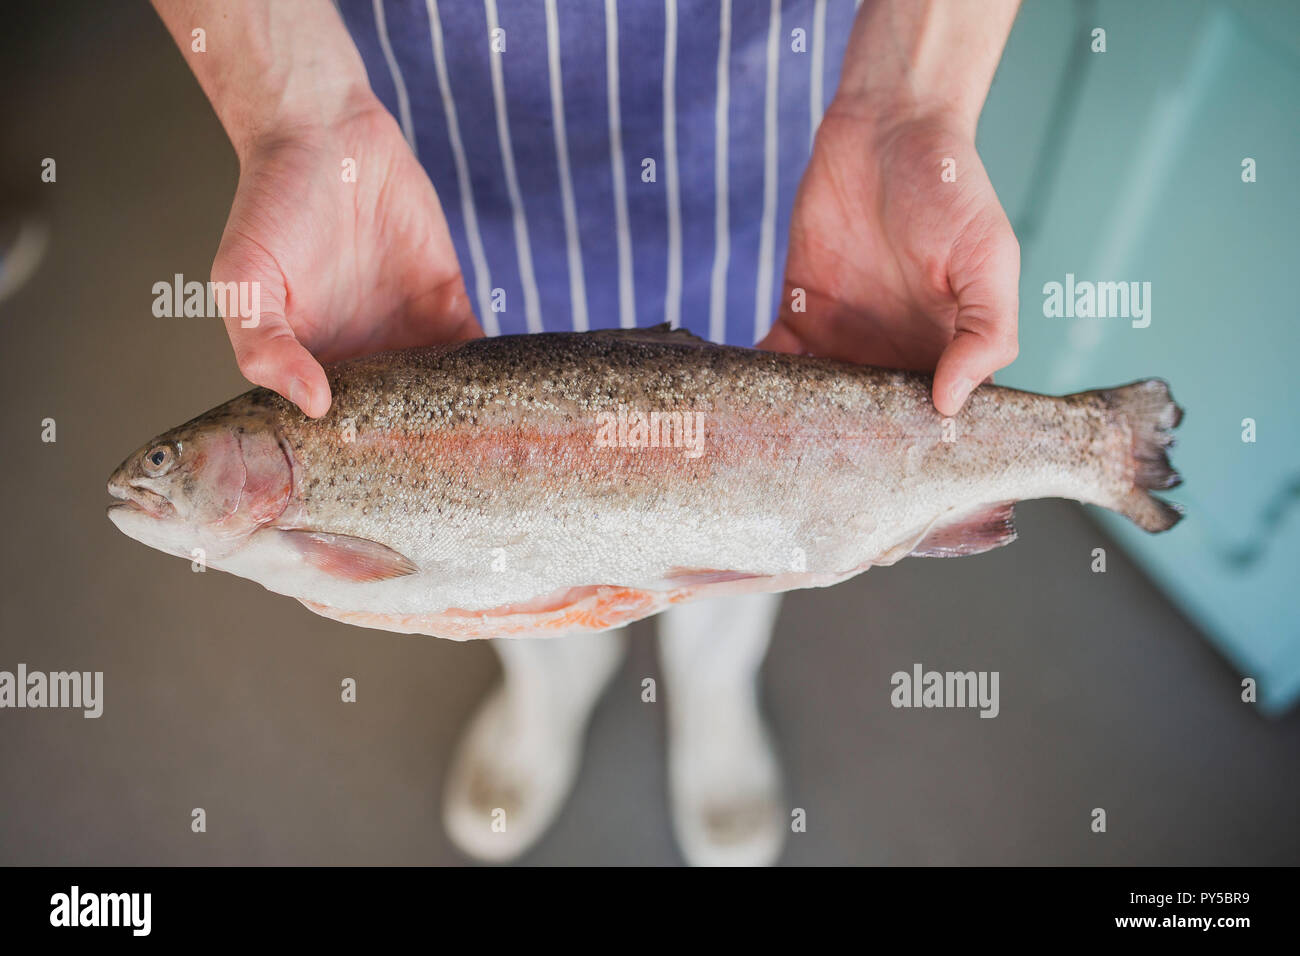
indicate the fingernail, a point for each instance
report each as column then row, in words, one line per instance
column 299, row 393
column 960, row 389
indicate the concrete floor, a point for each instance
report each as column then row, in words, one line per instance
column 223, row 696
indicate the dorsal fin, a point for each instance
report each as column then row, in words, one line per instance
column 663, row 332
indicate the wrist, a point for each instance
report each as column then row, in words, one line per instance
column 269, row 69
column 921, row 60
column 883, row 113
column 254, row 127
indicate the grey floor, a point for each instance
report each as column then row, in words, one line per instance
column 223, row 696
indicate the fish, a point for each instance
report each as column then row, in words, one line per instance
column 545, row 484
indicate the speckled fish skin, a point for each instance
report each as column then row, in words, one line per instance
column 476, row 500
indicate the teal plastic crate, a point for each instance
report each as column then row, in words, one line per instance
column 1127, row 166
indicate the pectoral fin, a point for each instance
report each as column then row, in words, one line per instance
column 973, row 533
column 349, row 558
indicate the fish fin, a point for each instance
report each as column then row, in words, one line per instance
column 353, row 559
column 973, row 533
column 1150, row 413
column 689, row 577
column 658, row 334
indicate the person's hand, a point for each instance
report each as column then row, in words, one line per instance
column 898, row 267
column 345, row 268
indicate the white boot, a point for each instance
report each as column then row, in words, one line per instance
column 517, row 761
column 723, row 775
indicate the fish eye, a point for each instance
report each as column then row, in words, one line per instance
column 159, row 459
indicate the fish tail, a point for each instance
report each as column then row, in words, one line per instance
column 1150, row 413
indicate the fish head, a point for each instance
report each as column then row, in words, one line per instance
column 208, row 484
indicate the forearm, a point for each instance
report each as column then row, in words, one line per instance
column 908, row 58
column 269, row 67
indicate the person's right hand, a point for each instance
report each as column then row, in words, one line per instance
column 346, row 268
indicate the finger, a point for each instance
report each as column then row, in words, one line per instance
column 271, row 356
column 986, row 285
column 968, row 361
column 453, row 316
column 780, row 339
column 266, row 349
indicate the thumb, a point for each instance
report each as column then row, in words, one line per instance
column 986, row 284
column 266, row 349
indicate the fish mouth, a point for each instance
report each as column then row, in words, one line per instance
column 135, row 498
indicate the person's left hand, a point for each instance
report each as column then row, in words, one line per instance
column 900, row 268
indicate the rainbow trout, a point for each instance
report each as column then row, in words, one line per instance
column 543, row 484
